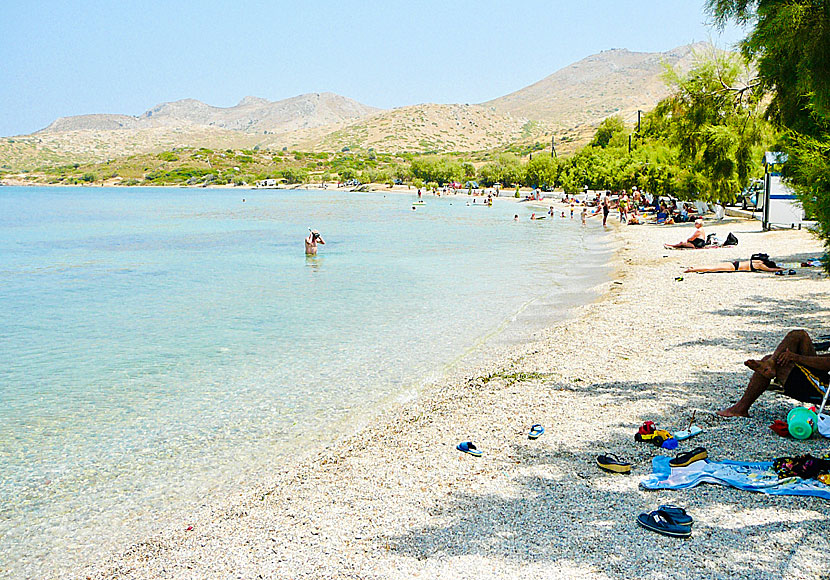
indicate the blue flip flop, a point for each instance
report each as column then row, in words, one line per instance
column 661, row 522
column 677, row 514
column 535, row 432
column 468, row 447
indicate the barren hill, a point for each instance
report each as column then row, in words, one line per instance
column 252, row 114
column 424, row 128
column 612, row 82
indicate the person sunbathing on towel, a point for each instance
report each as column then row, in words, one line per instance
column 795, row 364
column 695, row 242
column 757, row 263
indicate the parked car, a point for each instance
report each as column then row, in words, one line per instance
column 753, row 194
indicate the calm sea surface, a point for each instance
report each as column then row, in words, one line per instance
column 160, row 346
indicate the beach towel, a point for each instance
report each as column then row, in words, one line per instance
column 758, row 476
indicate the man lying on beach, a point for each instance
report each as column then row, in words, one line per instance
column 695, row 242
column 757, row 263
column 802, row 372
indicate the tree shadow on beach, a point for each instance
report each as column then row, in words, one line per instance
column 770, row 317
column 570, row 514
column 557, row 508
column 553, row 508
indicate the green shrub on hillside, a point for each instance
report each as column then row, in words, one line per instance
column 295, row 175
column 175, row 176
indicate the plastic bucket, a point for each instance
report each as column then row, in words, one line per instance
column 802, row 422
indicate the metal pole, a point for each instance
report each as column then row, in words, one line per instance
column 767, row 185
column 629, row 144
column 552, row 149
column 638, row 121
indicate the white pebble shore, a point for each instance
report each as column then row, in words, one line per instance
column 396, row 500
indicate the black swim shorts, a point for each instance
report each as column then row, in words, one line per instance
column 806, row 385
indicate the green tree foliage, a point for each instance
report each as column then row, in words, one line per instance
column 375, row 176
column 809, row 171
column 542, row 171
column 606, row 130
column 506, row 169
column 436, row 168
column 347, row 173
column 714, row 119
column 295, row 175
column 790, row 41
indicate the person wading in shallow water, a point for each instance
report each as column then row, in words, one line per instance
column 311, row 242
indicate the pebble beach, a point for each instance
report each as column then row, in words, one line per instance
column 397, row 500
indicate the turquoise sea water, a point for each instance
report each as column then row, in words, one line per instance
column 159, row 346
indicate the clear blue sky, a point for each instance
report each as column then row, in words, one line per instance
column 71, row 57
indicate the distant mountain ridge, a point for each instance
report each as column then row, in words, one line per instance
column 565, row 106
column 251, row 114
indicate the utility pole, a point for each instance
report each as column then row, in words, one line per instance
column 638, row 121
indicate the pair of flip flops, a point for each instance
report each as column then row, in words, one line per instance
column 613, row 464
column 684, row 459
column 468, row 447
column 789, row 272
column 668, row 520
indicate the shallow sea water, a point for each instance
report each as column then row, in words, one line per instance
column 161, row 346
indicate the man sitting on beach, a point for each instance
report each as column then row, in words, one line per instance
column 695, row 242
column 795, row 364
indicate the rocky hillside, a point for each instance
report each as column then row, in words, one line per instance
column 252, row 115
column 612, row 82
column 422, row 128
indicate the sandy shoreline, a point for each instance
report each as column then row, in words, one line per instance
column 396, row 500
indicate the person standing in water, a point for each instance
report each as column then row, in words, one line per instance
column 311, row 242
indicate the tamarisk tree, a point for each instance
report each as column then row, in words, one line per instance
column 790, row 42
